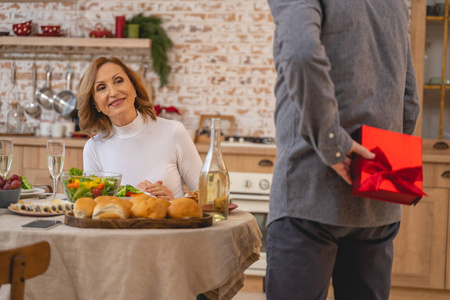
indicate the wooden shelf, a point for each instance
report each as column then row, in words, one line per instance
column 435, row 87
column 74, row 42
column 437, row 19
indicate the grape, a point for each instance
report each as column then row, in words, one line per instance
column 16, row 184
column 15, row 177
column 7, row 181
column 2, row 183
column 7, row 186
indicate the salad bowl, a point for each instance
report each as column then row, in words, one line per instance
column 90, row 184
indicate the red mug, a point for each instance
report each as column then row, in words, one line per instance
column 120, row 24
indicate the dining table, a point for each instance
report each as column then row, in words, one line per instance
column 100, row 263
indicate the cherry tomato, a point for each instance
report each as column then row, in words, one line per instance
column 129, row 194
column 96, row 192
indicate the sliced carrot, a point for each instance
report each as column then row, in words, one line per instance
column 134, row 195
column 101, row 185
column 73, row 185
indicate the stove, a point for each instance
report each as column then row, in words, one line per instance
column 255, row 142
column 250, row 191
column 250, row 139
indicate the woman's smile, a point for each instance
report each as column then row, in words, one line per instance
column 117, row 102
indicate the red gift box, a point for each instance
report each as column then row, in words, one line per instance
column 395, row 174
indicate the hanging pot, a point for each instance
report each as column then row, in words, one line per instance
column 65, row 102
column 44, row 96
column 33, row 109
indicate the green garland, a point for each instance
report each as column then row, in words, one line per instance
column 150, row 28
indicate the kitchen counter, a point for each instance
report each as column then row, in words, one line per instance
column 227, row 148
column 30, row 159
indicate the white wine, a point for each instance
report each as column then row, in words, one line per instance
column 214, row 181
column 214, row 194
column 5, row 164
column 55, row 165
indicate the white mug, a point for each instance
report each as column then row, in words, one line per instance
column 57, row 130
column 69, row 127
column 45, row 128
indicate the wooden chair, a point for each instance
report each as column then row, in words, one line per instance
column 19, row 264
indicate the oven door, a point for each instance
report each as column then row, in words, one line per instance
column 258, row 205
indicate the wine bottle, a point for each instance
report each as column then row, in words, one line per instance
column 214, row 182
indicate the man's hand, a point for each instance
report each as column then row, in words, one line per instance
column 343, row 168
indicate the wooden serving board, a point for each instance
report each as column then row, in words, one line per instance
column 70, row 220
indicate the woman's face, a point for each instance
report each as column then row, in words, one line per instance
column 114, row 94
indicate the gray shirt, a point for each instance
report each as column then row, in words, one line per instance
column 340, row 64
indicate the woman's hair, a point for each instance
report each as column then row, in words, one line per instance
column 92, row 121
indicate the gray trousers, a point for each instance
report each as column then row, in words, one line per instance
column 302, row 257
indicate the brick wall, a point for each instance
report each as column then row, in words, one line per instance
column 221, row 62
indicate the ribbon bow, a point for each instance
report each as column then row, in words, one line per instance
column 381, row 170
column 168, row 109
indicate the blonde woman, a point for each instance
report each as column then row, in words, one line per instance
column 154, row 154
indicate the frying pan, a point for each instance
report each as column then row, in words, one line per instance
column 44, row 96
column 65, row 102
column 33, row 109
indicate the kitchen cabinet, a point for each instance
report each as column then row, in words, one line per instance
column 421, row 267
column 31, row 161
column 35, row 166
column 244, row 159
column 420, row 247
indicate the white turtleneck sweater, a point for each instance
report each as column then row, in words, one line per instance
column 151, row 150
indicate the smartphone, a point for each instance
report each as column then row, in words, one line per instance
column 41, row 224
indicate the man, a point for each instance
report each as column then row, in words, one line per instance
column 340, row 64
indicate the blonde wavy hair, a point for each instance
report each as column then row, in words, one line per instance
column 92, row 121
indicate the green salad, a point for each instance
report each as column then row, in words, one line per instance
column 128, row 191
column 25, row 184
column 77, row 185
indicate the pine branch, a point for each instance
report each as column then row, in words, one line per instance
column 150, row 28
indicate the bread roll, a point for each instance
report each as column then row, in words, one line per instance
column 150, row 208
column 184, row 208
column 137, row 199
column 192, row 195
column 114, row 208
column 103, row 198
column 84, row 207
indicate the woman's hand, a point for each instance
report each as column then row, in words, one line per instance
column 343, row 168
column 156, row 189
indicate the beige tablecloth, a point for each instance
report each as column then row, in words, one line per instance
column 138, row 263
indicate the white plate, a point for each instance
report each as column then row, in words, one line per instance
column 35, row 214
column 39, row 214
column 31, row 192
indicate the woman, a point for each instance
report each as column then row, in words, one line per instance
column 154, row 154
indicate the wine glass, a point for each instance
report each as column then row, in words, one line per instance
column 55, row 156
column 6, row 152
